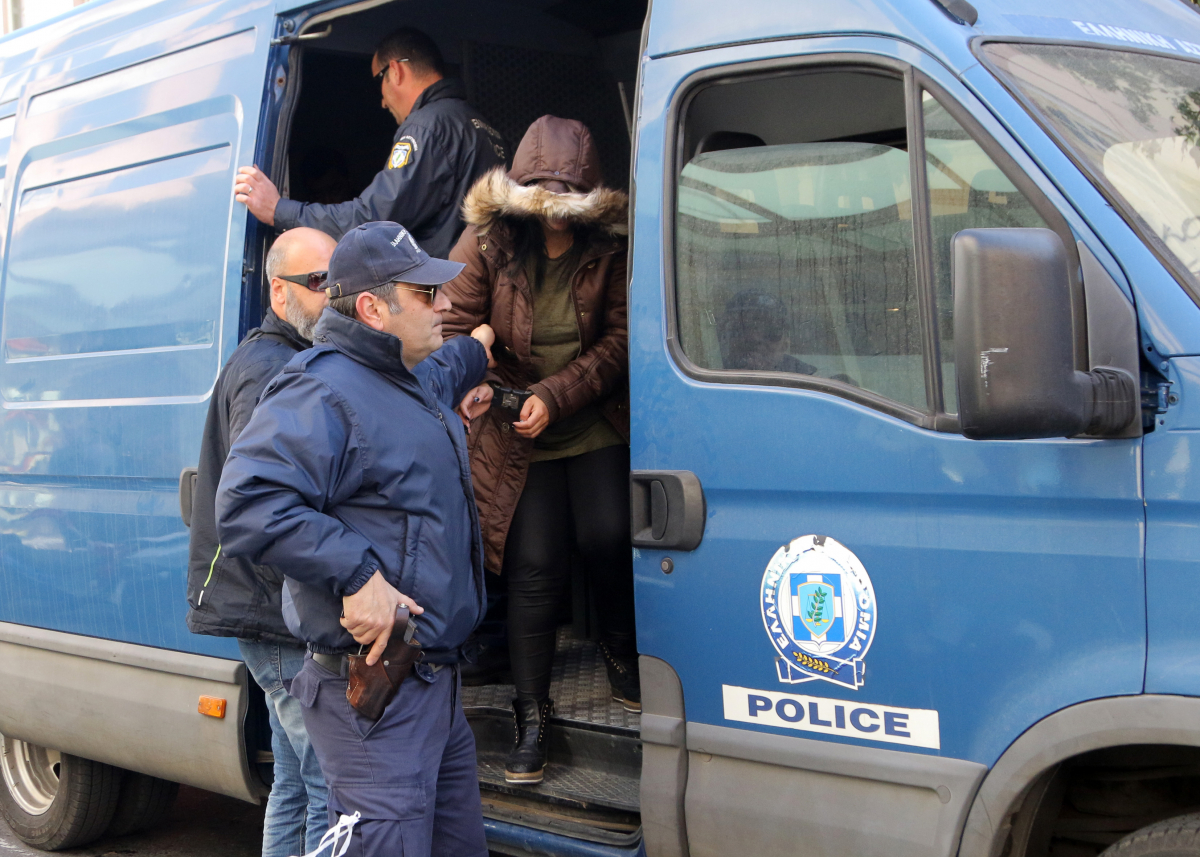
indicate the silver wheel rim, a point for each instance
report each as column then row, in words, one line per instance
column 30, row 774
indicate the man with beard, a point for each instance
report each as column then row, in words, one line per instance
column 231, row 597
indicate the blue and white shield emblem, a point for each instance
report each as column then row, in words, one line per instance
column 814, row 606
column 818, row 606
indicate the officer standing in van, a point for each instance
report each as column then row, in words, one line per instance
column 441, row 147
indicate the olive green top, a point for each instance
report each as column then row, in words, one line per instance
column 555, row 344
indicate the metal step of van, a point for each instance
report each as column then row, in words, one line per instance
column 578, row 686
column 587, row 769
column 592, row 782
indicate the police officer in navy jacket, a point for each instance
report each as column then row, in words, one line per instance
column 352, row 477
column 441, row 147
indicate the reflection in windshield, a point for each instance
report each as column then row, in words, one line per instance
column 801, row 181
column 798, row 258
column 1134, row 119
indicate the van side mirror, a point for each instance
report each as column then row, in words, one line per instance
column 1012, row 343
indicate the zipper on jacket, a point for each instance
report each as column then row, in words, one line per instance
column 208, row 579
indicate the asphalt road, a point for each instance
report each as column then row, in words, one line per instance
column 201, row 824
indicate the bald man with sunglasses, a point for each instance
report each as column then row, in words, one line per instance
column 232, row 597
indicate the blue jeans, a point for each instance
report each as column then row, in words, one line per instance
column 296, row 817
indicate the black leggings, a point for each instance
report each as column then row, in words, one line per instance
column 590, row 491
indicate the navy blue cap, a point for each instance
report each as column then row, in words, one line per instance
column 374, row 254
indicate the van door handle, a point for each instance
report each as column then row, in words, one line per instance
column 667, row 509
column 187, row 488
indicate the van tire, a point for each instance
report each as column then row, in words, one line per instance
column 53, row 800
column 142, row 803
column 1175, row 837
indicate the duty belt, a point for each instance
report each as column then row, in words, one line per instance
column 334, row 663
column 340, row 664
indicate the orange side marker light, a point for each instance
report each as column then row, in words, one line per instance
column 212, row 706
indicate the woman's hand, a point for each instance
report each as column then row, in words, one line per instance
column 487, row 336
column 474, row 403
column 535, row 416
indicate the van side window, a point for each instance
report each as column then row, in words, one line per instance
column 794, row 238
column 966, row 191
column 135, row 306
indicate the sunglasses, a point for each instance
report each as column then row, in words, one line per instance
column 313, row 280
column 431, row 291
column 382, row 73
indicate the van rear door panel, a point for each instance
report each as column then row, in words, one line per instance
column 121, row 292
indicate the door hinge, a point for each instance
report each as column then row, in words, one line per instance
column 303, row 37
column 1157, row 399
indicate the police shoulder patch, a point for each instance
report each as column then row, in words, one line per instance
column 401, row 154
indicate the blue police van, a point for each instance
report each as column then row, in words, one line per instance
column 914, row 331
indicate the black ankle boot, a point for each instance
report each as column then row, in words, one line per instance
column 620, row 659
column 527, row 761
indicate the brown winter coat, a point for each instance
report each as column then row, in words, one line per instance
column 493, row 291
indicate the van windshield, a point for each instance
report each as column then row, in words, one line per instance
column 1133, row 119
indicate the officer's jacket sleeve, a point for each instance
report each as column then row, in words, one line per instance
column 412, row 194
column 299, row 455
column 454, row 369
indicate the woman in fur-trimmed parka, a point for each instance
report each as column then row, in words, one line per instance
column 545, row 254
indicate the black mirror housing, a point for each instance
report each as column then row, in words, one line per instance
column 1013, row 351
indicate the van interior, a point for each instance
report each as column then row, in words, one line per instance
column 519, row 60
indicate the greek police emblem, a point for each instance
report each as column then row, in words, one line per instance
column 818, row 606
column 402, row 153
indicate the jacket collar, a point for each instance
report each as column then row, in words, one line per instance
column 372, row 348
column 276, row 325
column 496, row 198
column 447, row 87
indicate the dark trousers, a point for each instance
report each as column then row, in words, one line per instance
column 411, row 774
column 589, row 493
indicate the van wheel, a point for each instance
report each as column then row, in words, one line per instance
column 1175, row 837
column 143, row 802
column 52, row 800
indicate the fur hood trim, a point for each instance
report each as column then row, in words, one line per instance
column 496, row 197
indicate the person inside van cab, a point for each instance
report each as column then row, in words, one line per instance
column 753, row 332
column 442, row 146
column 232, row 597
column 545, row 266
